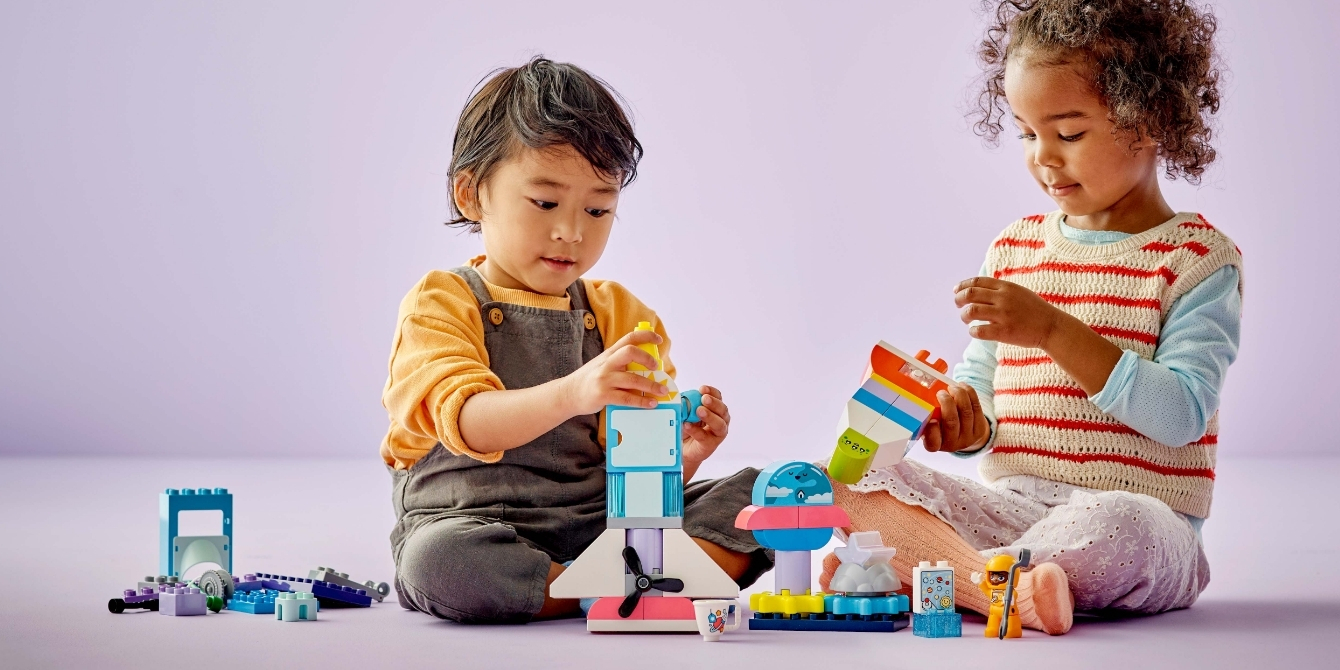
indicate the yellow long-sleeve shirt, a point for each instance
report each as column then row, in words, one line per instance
column 438, row 359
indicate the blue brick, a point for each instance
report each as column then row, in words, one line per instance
column 254, row 602
column 828, row 622
column 944, row 624
column 340, row 596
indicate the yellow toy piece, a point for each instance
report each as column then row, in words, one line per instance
column 993, row 585
column 658, row 375
column 784, row 603
column 649, row 348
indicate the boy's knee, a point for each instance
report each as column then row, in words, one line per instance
column 472, row 571
column 710, row 508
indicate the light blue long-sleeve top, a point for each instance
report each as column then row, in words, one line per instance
column 1169, row 399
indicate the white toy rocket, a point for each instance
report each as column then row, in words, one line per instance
column 644, row 568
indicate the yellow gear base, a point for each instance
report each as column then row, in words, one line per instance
column 784, row 603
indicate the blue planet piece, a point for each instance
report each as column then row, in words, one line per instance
column 792, row 484
column 793, row 539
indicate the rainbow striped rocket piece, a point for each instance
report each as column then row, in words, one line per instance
column 895, row 400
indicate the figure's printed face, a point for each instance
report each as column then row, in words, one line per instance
column 545, row 216
column 1069, row 145
column 997, row 577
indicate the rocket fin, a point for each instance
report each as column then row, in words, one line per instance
column 686, row 561
column 598, row 572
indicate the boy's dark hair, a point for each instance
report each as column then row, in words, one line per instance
column 1153, row 63
column 541, row 104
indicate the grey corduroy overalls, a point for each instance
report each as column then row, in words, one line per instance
column 475, row 540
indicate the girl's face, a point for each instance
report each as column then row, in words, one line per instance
column 1069, row 146
column 545, row 216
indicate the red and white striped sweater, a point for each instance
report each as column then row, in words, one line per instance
column 1046, row 425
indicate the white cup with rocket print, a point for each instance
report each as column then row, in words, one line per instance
column 716, row 617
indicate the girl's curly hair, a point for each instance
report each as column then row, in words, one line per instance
column 1153, row 63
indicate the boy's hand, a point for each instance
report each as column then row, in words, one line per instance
column 1014, row 314
column 962, row 424
column 605, row 379
column 701, row 439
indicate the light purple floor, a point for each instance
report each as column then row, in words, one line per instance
column 77, row 532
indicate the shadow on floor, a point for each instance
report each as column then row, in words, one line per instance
column 1256, row 616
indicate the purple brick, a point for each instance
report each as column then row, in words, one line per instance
column 182, row 601
column 144, row 595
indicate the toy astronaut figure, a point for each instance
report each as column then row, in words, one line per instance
column 994, row 585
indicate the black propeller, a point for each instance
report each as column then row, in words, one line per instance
column 643, row 582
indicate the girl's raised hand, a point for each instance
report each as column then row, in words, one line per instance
column 605, row 379
column 1013, row 314
column 962, row 424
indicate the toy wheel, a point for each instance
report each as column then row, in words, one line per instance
column 381, row 588
column 217, row 583
column 692, row 400
column 116, row 605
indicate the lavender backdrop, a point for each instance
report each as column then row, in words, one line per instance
column 210, row 212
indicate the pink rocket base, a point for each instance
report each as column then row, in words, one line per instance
column 654, row 614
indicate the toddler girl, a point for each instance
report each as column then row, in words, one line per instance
column 500, row 368
column 1103, row 330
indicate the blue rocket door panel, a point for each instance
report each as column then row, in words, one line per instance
column 642, row 439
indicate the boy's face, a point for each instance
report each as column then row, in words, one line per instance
column 545, row 216
column 1069, row 146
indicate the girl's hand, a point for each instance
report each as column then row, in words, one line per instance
column 962, row 424
column 605, row 379
column 1014, row 314
column 831, row 563
column 701, row 439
